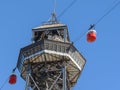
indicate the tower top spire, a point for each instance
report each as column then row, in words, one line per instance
column 54, row 10
column 53, row 18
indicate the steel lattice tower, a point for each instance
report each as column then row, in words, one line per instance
column 51, row 62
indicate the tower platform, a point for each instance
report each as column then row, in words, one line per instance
column 51, row 60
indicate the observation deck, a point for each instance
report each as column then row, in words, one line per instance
column 51, row 52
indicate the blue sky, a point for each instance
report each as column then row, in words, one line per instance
column 102, row 69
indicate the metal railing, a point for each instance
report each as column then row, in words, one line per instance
column 56, row 46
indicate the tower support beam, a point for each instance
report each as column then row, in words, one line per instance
column 64, row 76
column 27, row 82
column 55, row 82
column 28, row 78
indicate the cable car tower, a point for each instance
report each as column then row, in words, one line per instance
column 50, row 62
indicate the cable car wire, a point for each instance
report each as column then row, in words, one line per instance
column 67, row 8
column 109, row 11
column 98, row 21
column 13, row 71
column 4, row 83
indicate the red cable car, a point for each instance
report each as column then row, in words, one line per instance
column 91, row 35
column 12, row 79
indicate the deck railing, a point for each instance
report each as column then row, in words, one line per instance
column 56, row 46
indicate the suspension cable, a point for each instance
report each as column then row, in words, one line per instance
column 13, row 71
column 67, row 8
column 109, row 11
column 99, row 20
column 4, row 83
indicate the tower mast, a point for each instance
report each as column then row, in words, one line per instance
column 51, row 62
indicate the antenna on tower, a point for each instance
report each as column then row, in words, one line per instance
column 53, row 19
column 54, row 10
